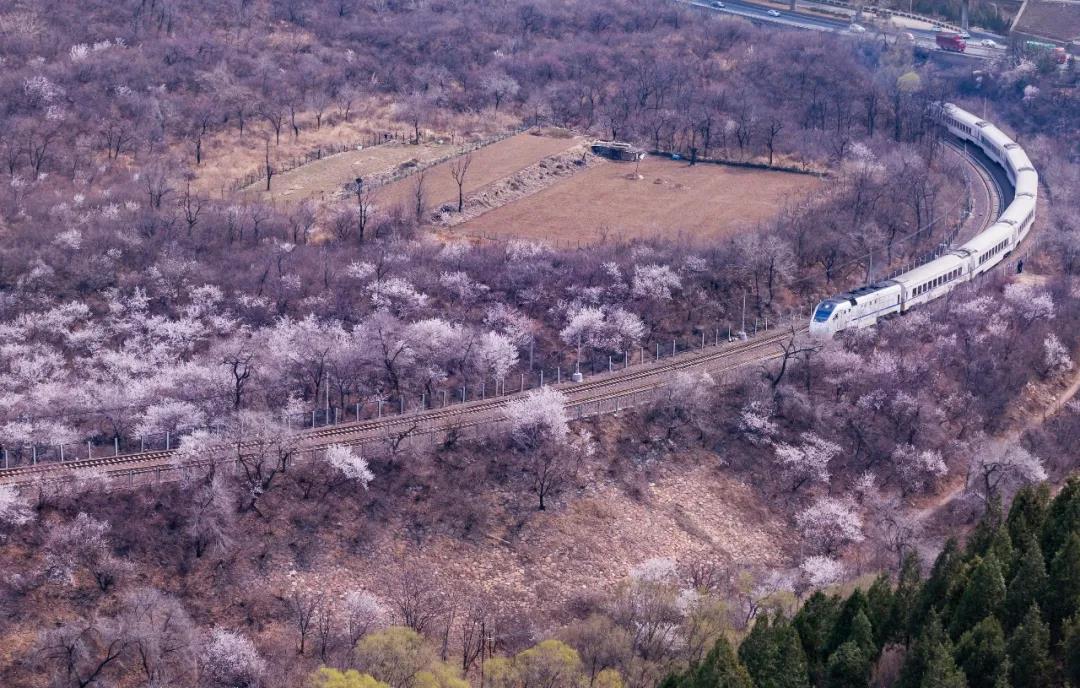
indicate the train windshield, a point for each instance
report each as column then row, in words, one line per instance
column 824, row 310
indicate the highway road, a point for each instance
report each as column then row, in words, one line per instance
column 801, row 19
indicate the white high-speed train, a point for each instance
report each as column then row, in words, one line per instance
column 863, row 307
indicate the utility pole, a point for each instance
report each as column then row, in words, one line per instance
column 742, row 328
column 964, row 10
column 577, row 376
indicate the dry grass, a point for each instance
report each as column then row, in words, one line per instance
column 322, row 178
column 228, row 156
column 586, row 547
column 671, row 198
column 488, row 165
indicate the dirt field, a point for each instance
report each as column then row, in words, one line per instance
column 327, row 176
column 489, row 164
column 673, row 198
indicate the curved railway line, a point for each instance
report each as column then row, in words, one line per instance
column 618, row 389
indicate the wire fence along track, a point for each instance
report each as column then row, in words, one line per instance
column 605, row 394
column 423, row 421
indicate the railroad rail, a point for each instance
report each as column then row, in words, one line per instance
column 620, row 389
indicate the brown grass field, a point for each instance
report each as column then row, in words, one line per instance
column 323, row 178
column 673, row 198
column 489, row 164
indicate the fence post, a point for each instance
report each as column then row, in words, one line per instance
column 380, row 408
column 61, row 453
column 167, row 447
column 541, row 377
column 658, row 351
column 522, row 383
column 89, row 451
column 358, row 412
column 609, row 364
column 116, row 446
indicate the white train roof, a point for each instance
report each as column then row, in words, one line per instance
column 935, row 268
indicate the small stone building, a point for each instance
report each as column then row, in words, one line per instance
column 617, row 150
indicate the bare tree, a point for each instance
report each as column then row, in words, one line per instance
column 304, row 607
column 459, row 168
column 160, row 635
column 83, row 654
column 418, row 597
column 419, row 196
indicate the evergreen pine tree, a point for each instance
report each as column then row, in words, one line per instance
column 941, row 670
column 791, row 668
column 848, row 667
column 981, row 654
column 981, row 537
column 935, row 592
column 813, row 622
column 758, row 652
column 844, row 625
column 983, row 595
column 1063, row 599
column 1062, row 518
column 1002, row 549
column 1029, row 652
column 904, row 599
column 862, row 634
column 774, row 656
column 1028, row 585
column 1070, row 650
column 720, row 669
column 879, row 600
column 1028, row 512
column 929, row 642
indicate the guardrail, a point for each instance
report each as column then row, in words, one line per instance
column 889, row 12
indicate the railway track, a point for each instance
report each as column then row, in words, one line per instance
column 630, row 381
column 989, row 183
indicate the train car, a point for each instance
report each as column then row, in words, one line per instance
column 1027, row 184
column 986, row 249
column 993, row 142
column 864, row 306
column 858, row 308
column 963, row 124
column 1021, row 215
column 928, row 282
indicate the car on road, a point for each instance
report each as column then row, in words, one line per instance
column 718, row 5
column 857, row 28
column 773, row 13
column 938, row 29
column 965, row 35
column 908, row 36
column 989, row 43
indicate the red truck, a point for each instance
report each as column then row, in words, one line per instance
column 952, row 42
